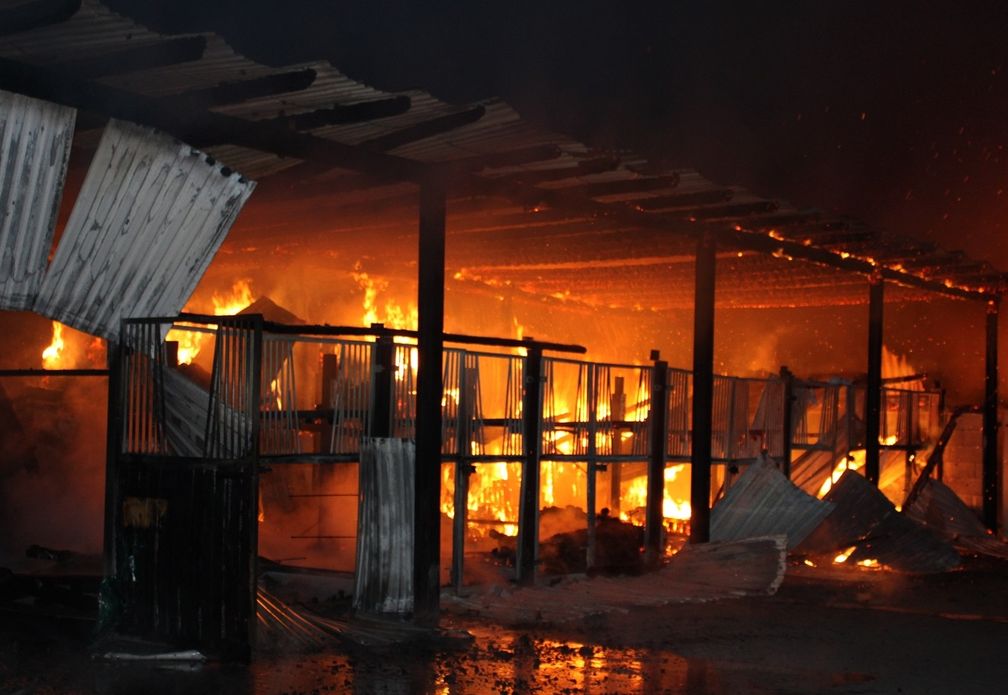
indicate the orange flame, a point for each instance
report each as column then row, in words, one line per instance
column 52, row 355
column 190, row 342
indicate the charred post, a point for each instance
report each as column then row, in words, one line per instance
column 787, row 377
column 656, row 461
column 430, row 344
column 873, row 389
column 703, row 389
column 991, row 463
column 528, row 515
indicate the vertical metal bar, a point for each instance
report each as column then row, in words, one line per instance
column 658, row 418
column 383, row 380
column 462, row 471
column 873, row 391
column 991, row 463
column 703, row 389
column 788, row 383
column 252, row 513
column 528, row 512
column 591, row 371
column 113, row 444
column 617, row 414
column 430, row 344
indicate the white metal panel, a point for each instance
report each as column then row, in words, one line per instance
column 35, row 138
column 150, row 216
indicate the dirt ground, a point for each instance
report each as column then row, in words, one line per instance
column 826, row 631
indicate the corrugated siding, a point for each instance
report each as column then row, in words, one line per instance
column 35, row 138
column 149, row 218
column 763, row 502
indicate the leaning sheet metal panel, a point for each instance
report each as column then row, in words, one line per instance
column 762, row 503
column 150, row 216
column 35, row 139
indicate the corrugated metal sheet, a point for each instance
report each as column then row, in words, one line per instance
column 149, row 218
column 869, row 522
column 762, row 502
column 940, row 509
column 35, row 138
column 751, row 567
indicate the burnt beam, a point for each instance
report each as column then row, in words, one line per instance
column 32, row 15
column 873, row 388
column 729, row 211
column 133, row 59
column 703, row 389
column 421, row 131
column 341, row 114
column 528, row 513
column 626, row 186
column 677, row 201
column 430, row 344
column 586, row 167
column 991, row 470
column 237, row 92
column 658, row 417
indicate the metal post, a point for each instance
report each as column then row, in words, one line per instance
column 463, row 469
column 991, row 462
column 703, row 389
column 592, row 465
column 873, row 390
column 528, row 513
column 617, row 414
column 113, row 446
column 658, row 419
column 787, row 377
column 383, row 383
column 430, row 344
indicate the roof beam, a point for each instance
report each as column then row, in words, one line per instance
column 133, row 59
column 585, row 167
column 346, row 113
column 36, row 14
column 684, row 201
column 727, row 212
column 423, row 130
column 640, row 184
column 227, row 93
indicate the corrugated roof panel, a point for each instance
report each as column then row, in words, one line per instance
column 869, row 522
column 35, row 139
column 149, row 218
column 763, row 502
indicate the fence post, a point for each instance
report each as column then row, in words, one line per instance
column 658, row 419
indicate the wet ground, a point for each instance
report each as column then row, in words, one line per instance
column 826, row 631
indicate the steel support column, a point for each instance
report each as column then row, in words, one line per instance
column 703, row 389
column 873, row 388
column 991, row 461
column 430, row 344
column 113, row 446
column 528, row 513
column 787, row 426
column 658, row 419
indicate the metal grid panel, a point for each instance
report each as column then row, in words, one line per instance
column 35, row 138
column 149, row 218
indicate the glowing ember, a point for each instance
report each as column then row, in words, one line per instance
column 842, row 557
column 52, row 354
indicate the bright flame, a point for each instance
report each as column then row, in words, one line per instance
column 190, row 342
column 52, row 354
column 854, row 461
column 395, row 315
column 842, row 557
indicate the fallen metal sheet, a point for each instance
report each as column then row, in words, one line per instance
column 35, row 138
column 751, row 567
column 763, row 502
column 939, row 508
column 150, row 216
column 866, row 520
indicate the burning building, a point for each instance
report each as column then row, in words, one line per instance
column 388, row 235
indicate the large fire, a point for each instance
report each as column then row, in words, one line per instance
column 229, row 304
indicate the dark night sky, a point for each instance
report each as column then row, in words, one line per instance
column 896, row 114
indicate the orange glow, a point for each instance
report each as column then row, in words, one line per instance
column 190, row 342
column 53, row 353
